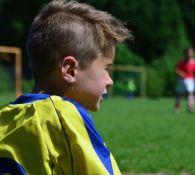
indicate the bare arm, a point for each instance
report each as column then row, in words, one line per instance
column 180, row 73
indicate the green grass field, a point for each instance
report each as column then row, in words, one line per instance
column 146, row 136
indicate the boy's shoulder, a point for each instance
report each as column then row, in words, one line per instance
column 31, row 110
column 29, row 105
column 37, row 104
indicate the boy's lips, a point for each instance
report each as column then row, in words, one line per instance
column 104, row 93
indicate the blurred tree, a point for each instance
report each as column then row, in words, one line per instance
column 156, row 24
column 15, row 19
column 188, row 12
column 161, row 28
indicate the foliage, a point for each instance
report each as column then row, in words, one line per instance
column 7, row 80
column 155, row 83
column 161, row 29
column 27, row 85
column 124, row 56
column 156, row 24
column 188, row 13
column 18, row 16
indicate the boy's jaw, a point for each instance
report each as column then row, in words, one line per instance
column 100, row 100
column 96, row 106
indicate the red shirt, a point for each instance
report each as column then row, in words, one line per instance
column 188, row 67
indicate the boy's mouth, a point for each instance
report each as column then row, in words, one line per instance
column 104, row 93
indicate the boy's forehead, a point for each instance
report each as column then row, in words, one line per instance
column 106, row 60
column 110, row 55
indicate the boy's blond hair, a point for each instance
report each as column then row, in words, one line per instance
column 65, row 28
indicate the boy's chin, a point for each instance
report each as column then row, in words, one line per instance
column 94, row 107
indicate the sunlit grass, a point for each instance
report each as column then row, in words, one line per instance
column 146, row 136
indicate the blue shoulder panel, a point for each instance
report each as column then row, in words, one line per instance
column 96, row 140
column 28, row 98
column 9, row 166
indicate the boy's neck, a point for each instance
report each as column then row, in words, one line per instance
column 39, row 90
column 53, row 84
column 51, row 88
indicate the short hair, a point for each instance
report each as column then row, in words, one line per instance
column 65, row 28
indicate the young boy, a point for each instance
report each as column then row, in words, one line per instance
column 71, row 47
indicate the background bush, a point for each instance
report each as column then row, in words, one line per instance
column 124, row 56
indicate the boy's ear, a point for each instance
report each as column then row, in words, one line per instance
column 68, row 68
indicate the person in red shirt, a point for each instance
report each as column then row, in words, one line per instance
column 186, row 80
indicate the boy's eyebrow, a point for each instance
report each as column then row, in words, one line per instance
column 109, row 65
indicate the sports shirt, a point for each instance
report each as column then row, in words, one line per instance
column 50, row 135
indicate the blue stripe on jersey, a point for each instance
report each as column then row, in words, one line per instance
column 9, row 166
column 97, row 142
column 28, row 98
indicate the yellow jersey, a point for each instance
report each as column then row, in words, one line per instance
column 51, row 135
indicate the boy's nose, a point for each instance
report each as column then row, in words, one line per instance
column 110, row 81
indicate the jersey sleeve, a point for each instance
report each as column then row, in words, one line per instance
column 89, row 155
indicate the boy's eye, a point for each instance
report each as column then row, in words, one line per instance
column 107, row 68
